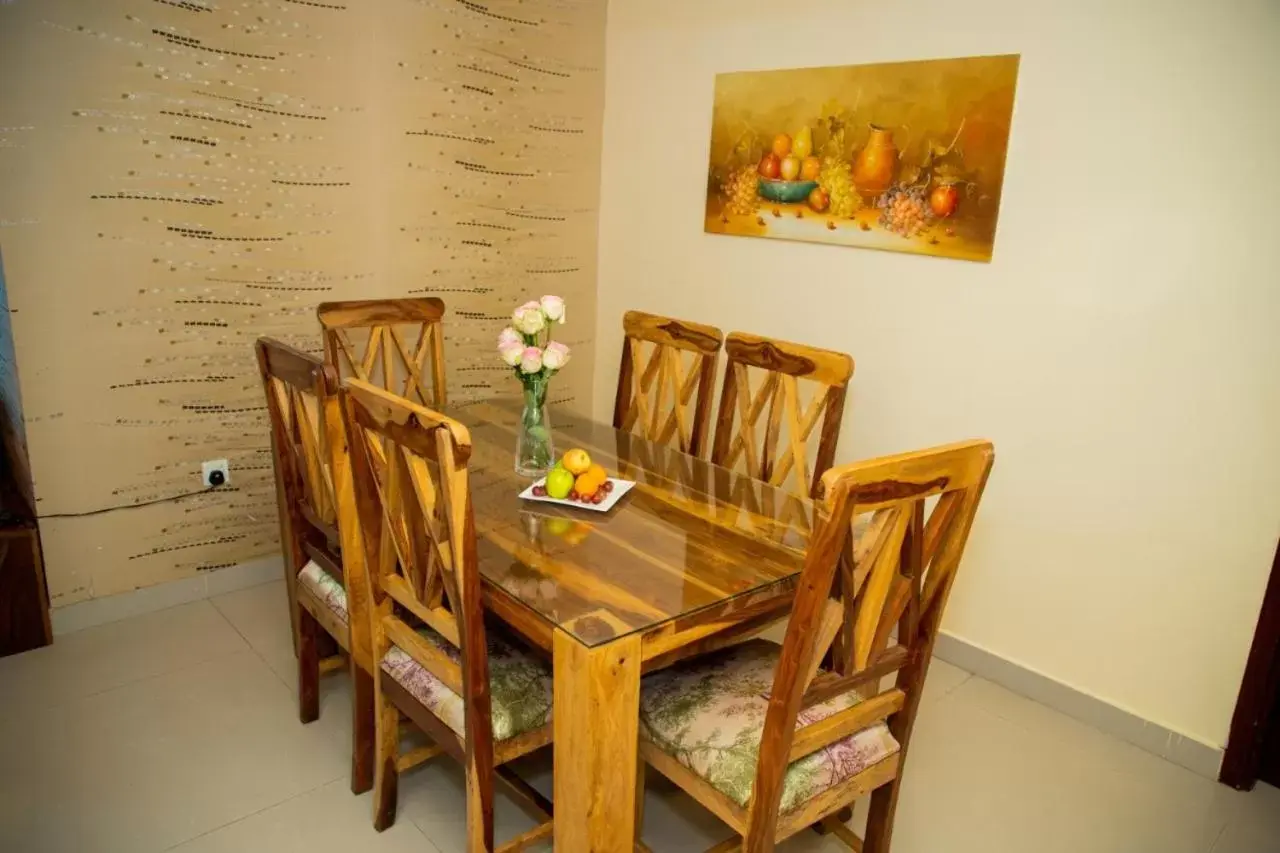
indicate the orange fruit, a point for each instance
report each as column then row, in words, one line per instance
column 597, row 471
column 577, row 461
column 586, row 485
column 781, row 145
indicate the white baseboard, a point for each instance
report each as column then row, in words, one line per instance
column 1198, row 757
column 113, row 608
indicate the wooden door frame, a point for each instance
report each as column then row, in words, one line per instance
column 1259, row 691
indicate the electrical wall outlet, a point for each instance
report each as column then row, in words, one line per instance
column 208, row 469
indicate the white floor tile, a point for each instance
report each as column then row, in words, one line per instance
column 180, row 728
column 942, row 679
column 327, row 820
column 261, row 615
column 1253, row 824
column 433, row 797
column 674, row 822
column 106, row 656
column 153, row 763
column 1015, row 779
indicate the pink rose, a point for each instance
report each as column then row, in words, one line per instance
column 528, row 319
column 556, row 356
column 508, row 337
column 553, row 307
column 512, row 353
column 531, row 360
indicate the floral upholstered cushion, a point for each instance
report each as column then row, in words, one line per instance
column 519, row 685
column 325, row 587
column 709, row 715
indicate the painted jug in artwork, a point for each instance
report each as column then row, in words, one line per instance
column 876, row 163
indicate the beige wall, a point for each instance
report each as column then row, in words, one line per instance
column 1121, row 349
column 177, row 178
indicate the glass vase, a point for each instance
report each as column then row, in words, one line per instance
column 535, row 452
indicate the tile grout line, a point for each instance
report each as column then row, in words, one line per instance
column 959, row 684
column 252, row 647
column 431, row 841
column 134, row 682
column 1218, row 838
column 258, row 655
column 265, row 808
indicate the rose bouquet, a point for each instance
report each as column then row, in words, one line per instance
column 527, row 348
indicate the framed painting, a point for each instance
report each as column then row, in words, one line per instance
column 899, row 156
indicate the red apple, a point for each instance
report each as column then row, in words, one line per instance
column 819, row 199
column 770, row 166
column 943, row 200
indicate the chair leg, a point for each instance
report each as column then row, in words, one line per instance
column 837, row 827
column 843, row 816
column 640, row 770
column 363, row 729
column 884, row 803
column 308, row 667
column 479, row 808
column 386, row 777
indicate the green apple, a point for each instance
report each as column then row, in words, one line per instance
column 559, row 482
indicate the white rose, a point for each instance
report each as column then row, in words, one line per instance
column 508, row 337
column 531, row 360
column 556, row 355
column 512, row 353
column 528, row 319
column 553, row 307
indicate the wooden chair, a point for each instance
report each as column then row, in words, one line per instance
column 386, row 342
column 768, row 738
column 657, row 388
column 479, row 696
column 323, row 561
column 763, row 451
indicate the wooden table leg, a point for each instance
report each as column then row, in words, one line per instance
column 596, row 712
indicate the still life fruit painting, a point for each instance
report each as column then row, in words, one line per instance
column 901, row 156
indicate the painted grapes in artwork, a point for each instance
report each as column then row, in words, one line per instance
column 901, row 156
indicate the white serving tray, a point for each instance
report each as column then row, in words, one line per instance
column 620, row 488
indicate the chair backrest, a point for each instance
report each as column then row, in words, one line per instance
column 858, row 584
column 386, row 342
column 413, row 495
column 666, row 379
column 295, row 386
column 777, row 451
column 312, row 471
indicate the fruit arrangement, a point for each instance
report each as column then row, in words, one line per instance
column 791, row 160
column 576, row 478
column 905, row 210
column 792, row 171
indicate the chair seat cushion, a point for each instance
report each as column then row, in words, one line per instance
column 708, row 714
column 325, row 587
column 519, row 685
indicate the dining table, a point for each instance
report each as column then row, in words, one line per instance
column 693, row 558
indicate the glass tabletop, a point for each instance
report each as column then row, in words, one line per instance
column 689, row 538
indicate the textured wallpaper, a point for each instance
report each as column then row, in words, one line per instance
column 178, row 177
